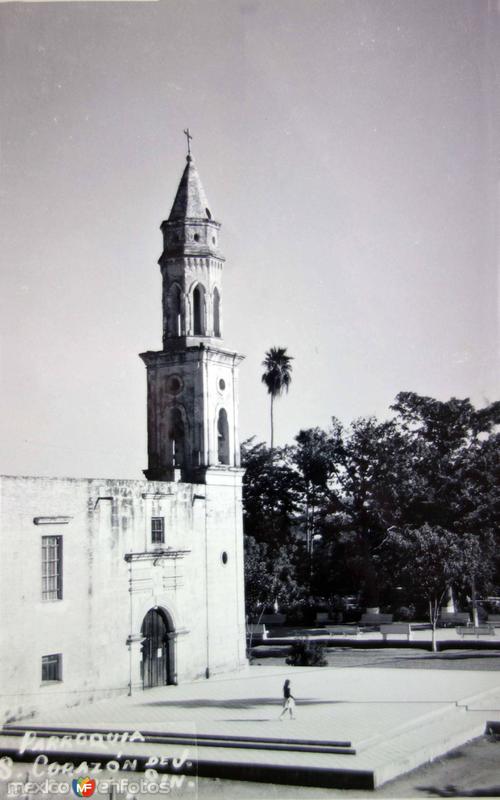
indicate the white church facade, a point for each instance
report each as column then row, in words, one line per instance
column 114, row 586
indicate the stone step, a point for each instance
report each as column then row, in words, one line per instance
column 93, row 735
column 425, row 740
column 238, row 763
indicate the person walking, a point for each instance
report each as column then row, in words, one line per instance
column 288, row 701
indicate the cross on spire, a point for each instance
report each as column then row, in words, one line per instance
column 188, row 137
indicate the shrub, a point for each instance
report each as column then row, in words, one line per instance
column 307, row 654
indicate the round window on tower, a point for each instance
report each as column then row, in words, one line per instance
column 196, row 237
column 174, row 384
column 222, row 384
column 224, row 557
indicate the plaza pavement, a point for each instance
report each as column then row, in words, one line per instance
column 395, row 720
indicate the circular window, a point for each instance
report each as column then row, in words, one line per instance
column 196, row 237
column 224, row 558
column 222, row 384
column 174, row 384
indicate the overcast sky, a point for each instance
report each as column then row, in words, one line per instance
column 348, row 147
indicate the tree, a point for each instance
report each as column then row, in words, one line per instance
column 273, row 557
column 256, row 576
column 446, row 425
column 269, row 579
column 370, row 474
column 434, row 465
column 430, row 559
column 277, row 376
column 445, row 439
column 314, row 458
column 478, row 510
column 455, row 458
column 269, row 494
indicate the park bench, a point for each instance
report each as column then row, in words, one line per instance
column 478, row 630
column 493, row 619
column 450, row 619
column 255, row 631
column 369, row 618
column 396, row 627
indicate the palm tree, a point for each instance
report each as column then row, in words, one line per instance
column 277, row 376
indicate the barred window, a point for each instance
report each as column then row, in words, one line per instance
column 52, row 667
column 51, row 567
column 157, row 530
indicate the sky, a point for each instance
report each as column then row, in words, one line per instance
column 348, row 147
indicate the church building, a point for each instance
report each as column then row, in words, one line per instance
column 114, row 586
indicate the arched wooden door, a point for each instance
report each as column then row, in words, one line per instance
column 157, row 650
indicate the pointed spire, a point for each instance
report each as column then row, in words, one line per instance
column 190, row 201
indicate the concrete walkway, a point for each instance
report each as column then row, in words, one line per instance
column 394, row 719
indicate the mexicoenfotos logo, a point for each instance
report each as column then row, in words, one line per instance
column 84, row 787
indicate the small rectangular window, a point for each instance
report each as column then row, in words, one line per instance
column 52, row 667
column 158, row 530
column 51, row 567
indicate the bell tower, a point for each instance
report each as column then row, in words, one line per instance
column 193, row 380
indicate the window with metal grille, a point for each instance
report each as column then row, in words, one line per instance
column 52, row 667
column 51, row 567
column 157, row 530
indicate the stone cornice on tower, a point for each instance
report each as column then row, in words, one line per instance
column 194, row 352
column 190, row 251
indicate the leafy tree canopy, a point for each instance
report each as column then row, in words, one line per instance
column 427, row 480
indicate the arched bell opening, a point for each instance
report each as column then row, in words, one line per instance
column 176, row 444
column 222, row 437
column 199, row 323
column 216, row 312
column 174, row 317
